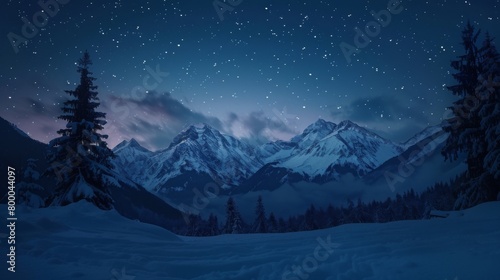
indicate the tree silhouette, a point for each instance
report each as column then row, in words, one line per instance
column 260, row 224
column 29, row 191
column 234, row 223
column 77, row 157
column 473, row 128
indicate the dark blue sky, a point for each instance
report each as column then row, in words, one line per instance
column 265, row 71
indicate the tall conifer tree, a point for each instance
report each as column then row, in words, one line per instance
column 78, row 156
column 474, row 126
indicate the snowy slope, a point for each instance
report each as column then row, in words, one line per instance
column 198, row 155
column 81, row 242
column 324, row 152
column 203, row 149
column 347, row 146
column 277, row 150
column 17, row 147
column 281, row 150
column 131, row 158
column 427, row 132
column 314, row 133
column 128, row 198
column 422, row 152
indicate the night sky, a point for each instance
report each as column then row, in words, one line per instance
column 262, row 71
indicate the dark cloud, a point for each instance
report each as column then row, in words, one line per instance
column 371, row 109
column 163, row 104
column 232, row 117
column 381, row 112
column 400, row 133
column 155, row 119
column 258, row 124
column 141, row 127
column 151, row 135
column 45, row 109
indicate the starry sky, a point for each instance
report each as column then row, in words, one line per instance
column 258, row 70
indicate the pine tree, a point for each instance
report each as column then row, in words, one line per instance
column 321, row 218
column 473, row 128
column 260, row 225
column 29, row 192
column 489, row 89
column 292, row 224
column 273, row 224
column 347, row 215
column 78, row 156
column 213, row 225
column 195, row 225
column 310, row 219
column 331, row 216
column 234, row 223
column 360, row 213
column 282, row 226
column 464, row 125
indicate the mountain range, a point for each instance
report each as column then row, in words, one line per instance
column 326, row 163
column 324, row 152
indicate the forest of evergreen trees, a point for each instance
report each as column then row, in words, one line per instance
column 409, row 206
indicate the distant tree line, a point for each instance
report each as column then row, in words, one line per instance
column 408, row 206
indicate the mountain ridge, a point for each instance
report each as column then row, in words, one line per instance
column 324, row 151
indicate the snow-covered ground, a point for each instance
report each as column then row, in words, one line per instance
column 82, row 242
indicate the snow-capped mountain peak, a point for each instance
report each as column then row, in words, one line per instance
column 320, row 125
column 131, row 158
column 314, row 133
column 194, row 133
column 200, row 154
column 134, row 143
column 325, row 151
column 188, row 133
column 197, row 155
column 130, row 144
column 347, row 124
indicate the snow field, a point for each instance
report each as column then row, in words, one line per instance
column 81, row 242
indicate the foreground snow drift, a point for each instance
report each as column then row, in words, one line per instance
column 81, row 242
